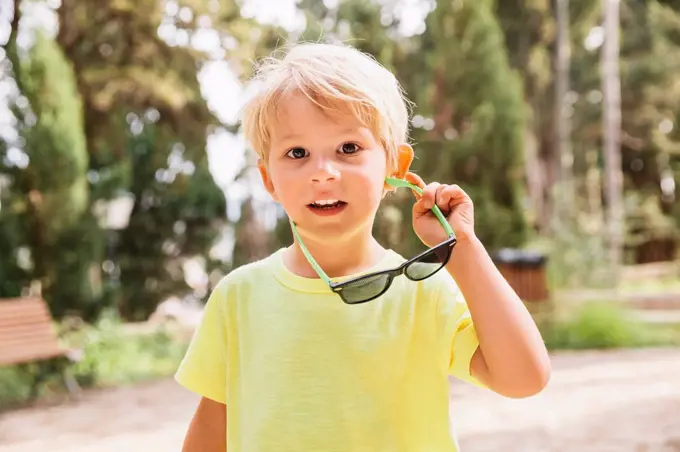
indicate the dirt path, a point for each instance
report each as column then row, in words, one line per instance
column 625, row 401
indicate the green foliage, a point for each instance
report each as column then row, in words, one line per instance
column 600, row 325
column 177, row 214
column 576, row 260
column 114, row 103
column 649, row 59
column 13, row 387
column 113, row 356
column 12, row 277
column 46, row 207
column 113, row 110
column 146, row 126
column 476, row 102
column 251, row 240
column 56, row 142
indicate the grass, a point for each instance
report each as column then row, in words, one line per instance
column 661, row 285
column 604, row 325
column 112, row 357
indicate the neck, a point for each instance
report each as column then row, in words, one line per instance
column 336, row 257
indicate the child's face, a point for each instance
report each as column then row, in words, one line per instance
column 327, row 172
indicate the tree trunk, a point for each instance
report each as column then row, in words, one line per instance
column 611, row 89
column 565, row 159
column 534, row 176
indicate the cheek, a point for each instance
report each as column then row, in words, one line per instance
column 371, row 182
column 286, row 185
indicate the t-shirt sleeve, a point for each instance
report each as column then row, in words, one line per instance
column 459, row 333
column 204, row 367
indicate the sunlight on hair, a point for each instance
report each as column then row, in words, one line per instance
column 340, row 80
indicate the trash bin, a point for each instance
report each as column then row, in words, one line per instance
column 525, row 271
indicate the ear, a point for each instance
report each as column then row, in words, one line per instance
column 266, row 180
column 404, row 159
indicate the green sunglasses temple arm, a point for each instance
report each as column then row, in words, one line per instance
column 393, row 182
column 308, row 255
column 437, row 213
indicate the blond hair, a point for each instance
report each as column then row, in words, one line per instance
column 340, row 80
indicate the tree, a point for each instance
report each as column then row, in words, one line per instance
column 649, row 97
column 252, row 241
column 46, row 216
column 117, row 99
column 563, row 110
column 477, row 108
column 611, row 89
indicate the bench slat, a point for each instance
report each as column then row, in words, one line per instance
column 27, row 335
column 29, row 317
column 6, row 325
column 26, row 332
column 23, row 330
column 8, row 319
column 28, row 341
column 9, row 313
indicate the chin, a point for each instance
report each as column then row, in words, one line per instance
column 334, row 228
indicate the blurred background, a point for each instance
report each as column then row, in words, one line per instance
column 127, row 192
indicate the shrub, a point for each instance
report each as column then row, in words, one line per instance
column 112, row 356
column 604, row 325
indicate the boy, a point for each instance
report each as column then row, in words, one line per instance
column 297, row 366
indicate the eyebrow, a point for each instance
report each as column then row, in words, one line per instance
column 294, row 136
column 290, row 136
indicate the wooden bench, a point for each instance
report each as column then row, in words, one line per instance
column 28, row 340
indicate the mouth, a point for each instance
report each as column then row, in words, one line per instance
column 327, row 206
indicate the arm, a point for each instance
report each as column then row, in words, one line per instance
column 203, row 371
column 512, row 359
column 207, row 430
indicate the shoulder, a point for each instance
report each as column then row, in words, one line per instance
column 444, row 293
column 252, row 270
column 244, row 276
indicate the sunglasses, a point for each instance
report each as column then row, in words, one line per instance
column 364, row 288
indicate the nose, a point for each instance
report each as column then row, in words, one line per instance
column 325, row 171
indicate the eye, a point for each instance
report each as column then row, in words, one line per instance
column 349, row 148
column 297, row 153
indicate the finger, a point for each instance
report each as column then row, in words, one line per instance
column 450, row 196
column 442, row 203
column 415, row 180
column 430, row 195
column 426, row 201
column 420, row 208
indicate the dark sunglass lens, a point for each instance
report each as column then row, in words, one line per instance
column 442, row 253
column 429, row 264
column 364, row 289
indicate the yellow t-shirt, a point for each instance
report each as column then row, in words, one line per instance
column 301, row 371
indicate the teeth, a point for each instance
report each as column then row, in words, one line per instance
column 326, row 202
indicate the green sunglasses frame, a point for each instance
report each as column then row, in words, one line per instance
column 337, row 287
